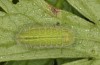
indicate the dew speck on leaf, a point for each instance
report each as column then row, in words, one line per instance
column 87, row 30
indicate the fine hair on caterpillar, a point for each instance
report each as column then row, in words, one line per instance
column 40, row 36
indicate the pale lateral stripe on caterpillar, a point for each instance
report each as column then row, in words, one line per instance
column 45, row 37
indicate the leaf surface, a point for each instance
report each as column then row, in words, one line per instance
column 29, row 12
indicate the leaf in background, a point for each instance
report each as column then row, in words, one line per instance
column 31, row 62
column 14, row 16
column 89, row 8
column 84, row 62
column 52, row 2
column 79, row 62
column 68, row 61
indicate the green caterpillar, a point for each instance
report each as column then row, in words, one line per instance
column 45, row 37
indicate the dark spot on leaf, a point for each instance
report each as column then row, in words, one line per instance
column 15, row 1
column 90, row 58
column 1, row 9
column 57, row 23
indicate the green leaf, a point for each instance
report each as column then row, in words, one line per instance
column 89, row 8
column 14, row 17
